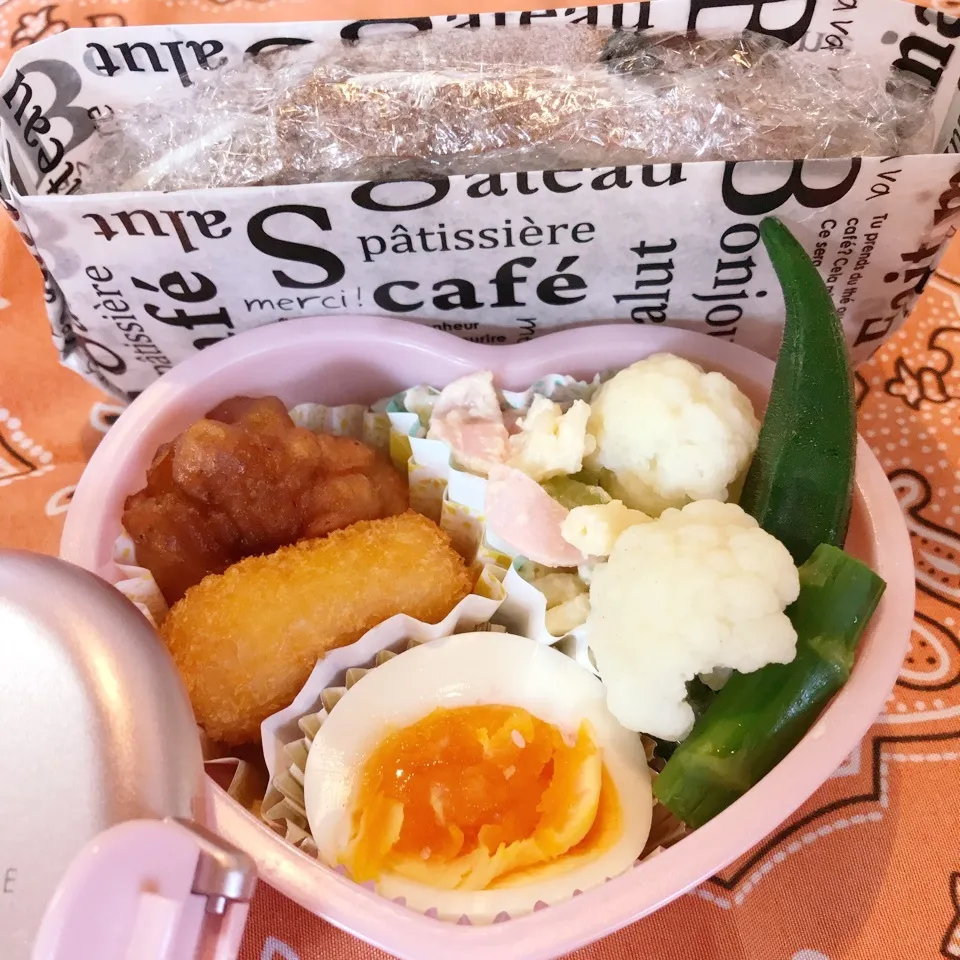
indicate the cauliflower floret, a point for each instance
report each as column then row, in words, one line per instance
column 699, row 589
column 551, row 443
column 594, row 530
column 669, row 433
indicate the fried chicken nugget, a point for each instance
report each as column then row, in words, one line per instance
column 245, row 480
column 246, row 640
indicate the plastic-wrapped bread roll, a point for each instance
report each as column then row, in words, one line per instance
column 512, row 98
column 496, row 49
column 678, row 98
column 431, row 102
column 406, row 125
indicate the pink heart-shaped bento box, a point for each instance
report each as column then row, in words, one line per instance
column 353, row 359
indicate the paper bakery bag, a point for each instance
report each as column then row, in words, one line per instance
column 137, row 281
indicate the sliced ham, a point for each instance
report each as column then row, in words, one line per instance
column 467, row 417
column 521, row 513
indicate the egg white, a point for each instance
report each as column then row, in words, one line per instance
column 471, row 670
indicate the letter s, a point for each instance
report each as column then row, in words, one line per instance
column 296, row 252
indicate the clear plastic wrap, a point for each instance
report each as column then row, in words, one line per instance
column 506, row 100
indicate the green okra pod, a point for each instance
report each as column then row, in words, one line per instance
column 799, row 486
column 758, row 718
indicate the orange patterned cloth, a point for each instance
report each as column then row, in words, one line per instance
column 869, row 868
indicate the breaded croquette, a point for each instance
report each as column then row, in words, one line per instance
column 246, row 640
column 244, row 481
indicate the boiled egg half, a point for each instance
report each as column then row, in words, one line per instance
column 479, row 776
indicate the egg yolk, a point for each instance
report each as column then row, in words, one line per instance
column 475, row 797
